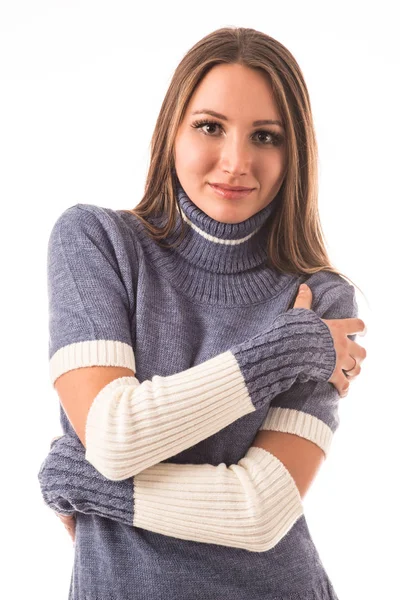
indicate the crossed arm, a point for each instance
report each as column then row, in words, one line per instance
column 250, row 505
column 130, row 427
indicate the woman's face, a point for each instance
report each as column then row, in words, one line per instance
column 230, row 149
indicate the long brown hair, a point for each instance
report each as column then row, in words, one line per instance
column 295, row 241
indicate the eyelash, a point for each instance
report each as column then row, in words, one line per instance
column 277, row 139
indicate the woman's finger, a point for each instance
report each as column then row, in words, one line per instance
column 304, row 297
column 69, row 522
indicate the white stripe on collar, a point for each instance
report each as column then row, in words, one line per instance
column 214, row 239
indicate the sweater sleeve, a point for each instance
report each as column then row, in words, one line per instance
column 131, row 425
column 250, row 505
column 88, row 281
column 311, row 409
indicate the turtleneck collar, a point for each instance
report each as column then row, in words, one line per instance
column 222, row 247
column 219, row 264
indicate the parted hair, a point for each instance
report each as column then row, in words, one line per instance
column 295, row 242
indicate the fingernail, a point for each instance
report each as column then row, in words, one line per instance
column 303, row 287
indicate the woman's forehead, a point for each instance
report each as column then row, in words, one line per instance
column 235, row 92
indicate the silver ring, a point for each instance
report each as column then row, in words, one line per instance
column 352, row 368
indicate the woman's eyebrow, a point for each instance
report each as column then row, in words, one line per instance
column 218, row 115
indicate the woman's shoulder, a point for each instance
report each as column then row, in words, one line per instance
column 333, row 296
column 324, row 281
column 102, row 225
column 82, row 213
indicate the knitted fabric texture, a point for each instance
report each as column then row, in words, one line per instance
column 118, row 298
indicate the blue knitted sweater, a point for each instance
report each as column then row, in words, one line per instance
column 169, row 310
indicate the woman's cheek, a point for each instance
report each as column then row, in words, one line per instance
column 199, row 159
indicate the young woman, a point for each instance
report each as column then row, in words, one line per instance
column 199, row 387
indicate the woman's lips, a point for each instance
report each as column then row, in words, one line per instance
column 231, row 193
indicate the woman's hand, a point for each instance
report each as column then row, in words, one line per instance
column 349, row 354
column 69, row 524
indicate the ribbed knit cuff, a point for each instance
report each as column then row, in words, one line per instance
column 298, row 422
column 108, row 353
column 249, row 505
column 69, row 484
column 297, row 346
column 132, row 426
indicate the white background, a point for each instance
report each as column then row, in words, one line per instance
column 81, row 84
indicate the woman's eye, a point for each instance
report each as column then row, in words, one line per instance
column 264, row 136
column 212, row 126
column 206, row 124
column 268, row 137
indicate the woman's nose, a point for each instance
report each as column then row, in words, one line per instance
column 235, row 157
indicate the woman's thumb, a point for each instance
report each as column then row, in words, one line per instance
column 304, row 297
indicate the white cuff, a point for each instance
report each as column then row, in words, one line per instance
column 304, row 425
column 251, row 505
column 132, row 426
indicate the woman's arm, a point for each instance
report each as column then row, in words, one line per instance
column 92, row 265
column 249, row 505
column 115, row 415
column 185, row 408
column 213, row 504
